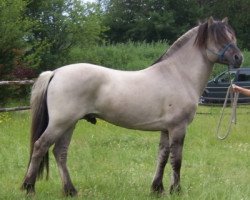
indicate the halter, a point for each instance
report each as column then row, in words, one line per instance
column 222, row 52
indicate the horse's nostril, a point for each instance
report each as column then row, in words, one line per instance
column 236, row 57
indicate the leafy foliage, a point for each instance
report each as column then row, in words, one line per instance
column 13, row 29
column 149, row 20
column 43, row 34
column 61, row 24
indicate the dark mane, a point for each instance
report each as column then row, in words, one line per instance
column 217, row 32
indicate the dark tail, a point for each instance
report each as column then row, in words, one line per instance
column 39, row 116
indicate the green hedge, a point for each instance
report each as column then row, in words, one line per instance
column 128, row 56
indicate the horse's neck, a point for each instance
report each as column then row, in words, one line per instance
column 192, row 65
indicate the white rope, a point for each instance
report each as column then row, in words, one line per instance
column 234, row 99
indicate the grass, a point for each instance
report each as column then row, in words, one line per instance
column 124, row 56
column 246, row 61
column 108, row 162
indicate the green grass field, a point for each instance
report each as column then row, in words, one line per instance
column 108, row 162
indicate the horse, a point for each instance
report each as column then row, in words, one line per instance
column 163, row 97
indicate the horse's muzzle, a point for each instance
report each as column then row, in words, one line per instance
column 237, row 60
column 233, row 57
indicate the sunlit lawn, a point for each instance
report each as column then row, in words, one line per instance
column 108, row 162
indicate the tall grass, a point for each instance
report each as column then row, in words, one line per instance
column 128, row 56
column 109, row 162
column 246, row 58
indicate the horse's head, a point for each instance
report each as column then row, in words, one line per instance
column 219, row 41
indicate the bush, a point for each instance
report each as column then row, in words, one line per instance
column 17, row 93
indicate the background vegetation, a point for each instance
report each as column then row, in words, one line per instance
column 37, row 35
column 109, row 162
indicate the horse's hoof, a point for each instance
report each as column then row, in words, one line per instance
column 30, row 188
column 157, row 188
column 175, row 189
column 70, row 191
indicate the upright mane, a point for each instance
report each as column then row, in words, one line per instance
column 217, row 32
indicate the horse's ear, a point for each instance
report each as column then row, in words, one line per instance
column 210, row 21
column 225, row 20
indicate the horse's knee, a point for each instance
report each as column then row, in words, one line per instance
column 59, row 155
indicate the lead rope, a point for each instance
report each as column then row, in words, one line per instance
column 234, row 99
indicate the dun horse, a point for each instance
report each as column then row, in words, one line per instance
column 162, row 97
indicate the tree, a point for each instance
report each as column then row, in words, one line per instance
column 149, row 20
column 136, row 20
column 186, row 14
column 60, row 25
column 85, row 24
column 14, row 29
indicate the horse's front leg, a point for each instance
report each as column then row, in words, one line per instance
column 177, row 136
column 157, row 185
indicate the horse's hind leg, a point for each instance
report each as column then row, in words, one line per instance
column 177, row 136
column 41, row 147
column 60, row 152
column 157, row 185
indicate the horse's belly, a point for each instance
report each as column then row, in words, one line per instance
column 149, row 118
column 150, row 125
